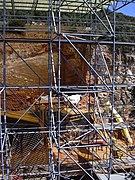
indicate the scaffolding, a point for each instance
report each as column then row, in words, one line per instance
column 60, row 78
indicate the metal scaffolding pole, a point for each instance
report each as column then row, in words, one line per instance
column 61, row 120
column 4, row 147
column 113, row 91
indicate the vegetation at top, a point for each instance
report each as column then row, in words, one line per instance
column 125, row 25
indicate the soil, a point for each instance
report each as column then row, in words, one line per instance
column 27, row 65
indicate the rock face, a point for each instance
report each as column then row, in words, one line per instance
column 73, row 67
column 124, row 75
column 27, row 64
column 75, row 71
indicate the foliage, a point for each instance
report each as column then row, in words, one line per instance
column 125, row 25
column 17, row 23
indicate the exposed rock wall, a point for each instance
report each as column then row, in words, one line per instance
column 74, row 69
column 124, row 75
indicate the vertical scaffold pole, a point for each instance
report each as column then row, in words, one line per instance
column 59, row 83
column 5, row 138
column 1, row 144
column 113, row 91
column 50, row 110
